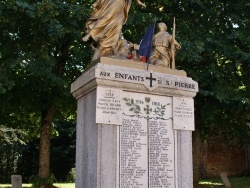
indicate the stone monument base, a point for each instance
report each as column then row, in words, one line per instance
column 134, row 127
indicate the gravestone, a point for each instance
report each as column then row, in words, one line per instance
column 16, row 181
column 225, row 180
column 134, row 126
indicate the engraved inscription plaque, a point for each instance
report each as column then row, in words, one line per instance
column 183, row 113
column 109, row 106
column 146, row 142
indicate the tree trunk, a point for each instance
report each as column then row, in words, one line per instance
column 45, row 135
column 48, row 115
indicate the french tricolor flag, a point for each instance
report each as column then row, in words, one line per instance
column 146, row 44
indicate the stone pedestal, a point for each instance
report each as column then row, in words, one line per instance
column 134, row 126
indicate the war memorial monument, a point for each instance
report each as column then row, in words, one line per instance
column 134, row 119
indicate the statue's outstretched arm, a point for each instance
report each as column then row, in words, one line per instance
column 141, row 4
column 177, row 45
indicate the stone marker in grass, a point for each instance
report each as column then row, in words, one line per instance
column 225, row 180
column 16, row 181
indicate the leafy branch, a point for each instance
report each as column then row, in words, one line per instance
column 132, row 106
column 160, row 111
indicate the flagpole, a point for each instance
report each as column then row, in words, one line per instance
column 173, row 45
column 151, row 46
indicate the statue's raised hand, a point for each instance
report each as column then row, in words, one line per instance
column 141, row 4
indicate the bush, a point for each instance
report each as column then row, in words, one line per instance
column 45, row 182
column 71, row 176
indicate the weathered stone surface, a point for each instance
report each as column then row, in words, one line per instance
column 87, row 142
column 125, row 128
column 147, row 141
column 134, row 80
column 109, row 106
column 184, row 159
column 225, row 180
column 183, row 113
column 16, row 181
column 141, row 66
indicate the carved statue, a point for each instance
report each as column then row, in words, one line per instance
column 161, row 53
column 105, row 24
column 123, row 46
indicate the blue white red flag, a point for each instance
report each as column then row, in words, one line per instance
column 146, row 42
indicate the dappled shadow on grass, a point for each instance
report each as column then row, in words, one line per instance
column 56, row 185
column 210, row 186
column 9, row 186
column 236, row 182
column 27, row 186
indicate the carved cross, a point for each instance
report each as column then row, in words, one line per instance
column 147, row 109
column 151, row 79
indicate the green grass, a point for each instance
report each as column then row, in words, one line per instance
column 242, row 182
column 59, row 185
column 210, row 183
column 65, row 185
column 9, row 185
column 237, row 182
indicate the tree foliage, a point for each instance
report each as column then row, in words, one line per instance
column 215, row 52
column 41, row 54
column 23, row 159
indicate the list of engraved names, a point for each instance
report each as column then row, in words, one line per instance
column 146, row 142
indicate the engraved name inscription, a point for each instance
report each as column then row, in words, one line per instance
column 146, row 142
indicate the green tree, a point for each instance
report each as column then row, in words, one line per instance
column 63, row 150
column 216, row 53
column 219, row 59
column 41, row 53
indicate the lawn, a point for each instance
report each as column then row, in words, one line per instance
column 59, row 185
column 239, row 182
